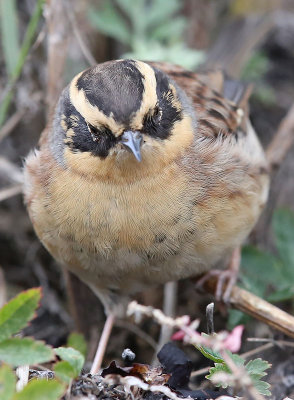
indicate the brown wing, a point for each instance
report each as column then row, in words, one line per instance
column 221, row 104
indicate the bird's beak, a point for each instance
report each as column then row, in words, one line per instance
column 133, row 140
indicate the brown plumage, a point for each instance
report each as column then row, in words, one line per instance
column 122, row 225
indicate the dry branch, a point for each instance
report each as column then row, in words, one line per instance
column 256, row 307
column 11, row 123
column 243, row 35
column 9, row 171
column 6, row 193
column 282, row 141
column 58, row 38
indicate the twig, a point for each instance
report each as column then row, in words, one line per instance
column 58, row 38
column 282, row 141
column 11, row 123
column 137, row 331
column 10, row 192
column 9, row 171
column 259, row 349
column 243, row 35
column 81, row 42
column 272, row 341
column 241, row 376
column 257, row 307
column 217, row 343
column 3, row 297
column 209, row 318
column 138, row 310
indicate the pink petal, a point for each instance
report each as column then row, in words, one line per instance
column 233, row 341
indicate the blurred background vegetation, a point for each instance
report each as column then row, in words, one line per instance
column 45, row 43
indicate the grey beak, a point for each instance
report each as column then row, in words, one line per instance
column 133, row 140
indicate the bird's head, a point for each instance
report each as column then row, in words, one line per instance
column 123, row 117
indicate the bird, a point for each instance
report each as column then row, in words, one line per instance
column 146, row 173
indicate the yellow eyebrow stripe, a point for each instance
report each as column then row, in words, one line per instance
column 149, row 98
column 91, row 113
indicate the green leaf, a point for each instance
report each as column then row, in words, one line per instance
column 24, row 51
column 170, row 31
column 261, row 267
column 26, row 351
column 283, row 225
column 238, row 360
column 257, row 366
column 236, row 317
column 10, row 34
column 77, row 341
column 158, row 12
column 210, row 354
column 18, row 312
column 41, row 389
column 65, row 371
column 216, row 357
column 216, row 369
column 283, row 294
column 126, row 5
column 108, row 21
column 7, row 383
column 262, row 387
column 255, row 369
column 72, row 356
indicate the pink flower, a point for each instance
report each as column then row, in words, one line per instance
column 233, row 340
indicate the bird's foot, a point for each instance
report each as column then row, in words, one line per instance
column 225, row 279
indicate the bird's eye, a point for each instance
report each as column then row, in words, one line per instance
column 156, row 115
column 156, row 111
column 94, row 132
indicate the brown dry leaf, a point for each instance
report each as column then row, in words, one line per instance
column 148, row 374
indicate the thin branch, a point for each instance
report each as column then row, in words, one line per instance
column 80, row 40
column 280, row 343
column 282, row 141
column 3, row 297
column 241, row 376
column 9, row 171
column 257, row 307
column 137, row 331
column 259, row 349
column 58, row 39
column 10, row 192
column 11, row 123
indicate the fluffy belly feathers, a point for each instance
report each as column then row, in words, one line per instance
column 118, row 237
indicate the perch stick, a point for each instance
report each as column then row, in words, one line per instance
column 258, row 308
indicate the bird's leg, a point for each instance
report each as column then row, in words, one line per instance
column 102, row 344
column 229, row 275
column 169, row 306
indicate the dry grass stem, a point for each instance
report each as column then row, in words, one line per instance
column 10, row 192
column 282, row 141
column 11, row 123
